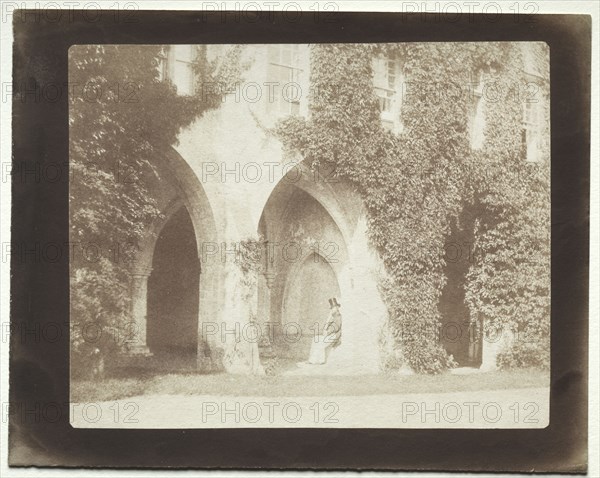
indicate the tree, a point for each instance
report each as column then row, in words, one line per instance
column 122, row 118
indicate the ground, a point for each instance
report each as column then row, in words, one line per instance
column 292, row 385
column 507, row 399
column 517, row 408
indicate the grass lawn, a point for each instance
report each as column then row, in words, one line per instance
column 293, row 386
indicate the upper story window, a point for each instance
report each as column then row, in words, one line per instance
column 183, row 68
column 531, row 130
column 163, row 64
column 284, row 76
column 477, row 111
column 535, row 67
column 176, row 63
column 386, row 81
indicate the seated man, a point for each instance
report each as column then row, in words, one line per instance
column 331, row 337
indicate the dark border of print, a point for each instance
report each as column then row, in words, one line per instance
column 39, row 371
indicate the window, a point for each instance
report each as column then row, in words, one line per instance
column 477, row 111
column 284, row 73
column 534, row 137
column 384, row 80
column 163, row 64
column 530, row 130
column 183, row 68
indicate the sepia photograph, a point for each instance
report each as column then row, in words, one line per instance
column 325, row 237
column 292, row 235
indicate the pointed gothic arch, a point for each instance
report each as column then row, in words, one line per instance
column 306, row 224
column 176, row 180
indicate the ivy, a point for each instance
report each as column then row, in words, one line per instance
column 248, row 259
column 123, row 119
column 423, row 184
column 509, row 285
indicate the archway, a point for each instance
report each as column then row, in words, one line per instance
column 173, row 294
column 303, row 226
column 305, row 304
column 176, row 186
column 461, row 335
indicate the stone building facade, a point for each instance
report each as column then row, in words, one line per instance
column 230, row 182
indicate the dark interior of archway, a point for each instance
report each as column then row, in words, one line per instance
column 458, row 335
column 173, row 294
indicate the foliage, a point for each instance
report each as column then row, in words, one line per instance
column 390, row 350
column 417, row 184
column 533, row 353
column 268, row 356
column 249, row 260
column 122, row 119
column 508, row 287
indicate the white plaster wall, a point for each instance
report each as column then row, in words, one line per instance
column 363, row 310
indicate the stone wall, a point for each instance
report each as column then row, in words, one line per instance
column 238, row 183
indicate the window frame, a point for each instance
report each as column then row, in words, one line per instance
column 477, row 119
column 168, row 62
column 386, row 79
column 281, row 105
column 532, row 128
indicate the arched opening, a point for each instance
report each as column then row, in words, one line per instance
column 173, row 294
column 302, row 225
column 186, row 223
column 461, row 335
column 305, row 305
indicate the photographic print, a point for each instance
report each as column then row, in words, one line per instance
column 326, row 235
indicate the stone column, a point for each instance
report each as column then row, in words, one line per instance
column 206, row 320
column 264, row 349
column 268, row 281
column 139, row 311
column 488, row 356
column 363, row 311
column 495, row 340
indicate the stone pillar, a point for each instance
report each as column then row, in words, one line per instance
column 207, row 325
column 269, row 279
column 264, row 346
column 363, row 311
column 488, row 355
column 139, row 311
column 267, row 285
column 268, row 326
column 495, row 340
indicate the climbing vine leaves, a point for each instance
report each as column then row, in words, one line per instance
column 123, row 120
column 426, row 185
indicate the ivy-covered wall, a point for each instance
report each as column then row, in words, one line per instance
column 509, row 284
column 426, row 186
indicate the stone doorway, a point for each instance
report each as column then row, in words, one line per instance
column 305, row 307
